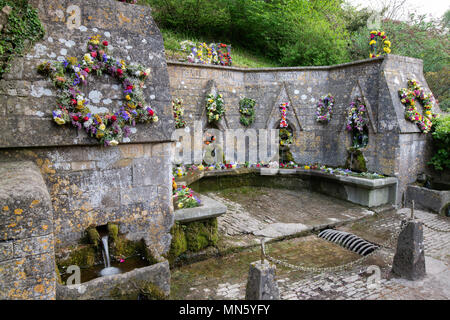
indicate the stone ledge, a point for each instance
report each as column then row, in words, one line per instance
column 103, row 288
column 210, row 209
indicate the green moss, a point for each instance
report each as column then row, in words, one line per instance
column 355, row 160
column 93, row 236
column 150, row 291
column 58, row 274
column 113, row 231
column 201, row 234
column 145, row 290
column 84, row 256
column 179, row 242
column 193, row 236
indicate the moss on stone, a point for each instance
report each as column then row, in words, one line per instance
column 113, row 231
column 179, row 242
column 201, row 234
column 58, row 274
column 144, row 290
column 192, row 236
column 355, row 160
column 150, row 291
column 83, row 256
column 93, row 236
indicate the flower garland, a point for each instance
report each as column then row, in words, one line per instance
column 374, row 36
column 214, row 107
column 325, row 109
column 247, row 110
column 357, row 120
column 178, row 112
column 283, row 111
column 409, row 96
column 218, row 54
column 73, row 107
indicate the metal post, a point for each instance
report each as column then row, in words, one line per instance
column 262, row 250
column 412, row 209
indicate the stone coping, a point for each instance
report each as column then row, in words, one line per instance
column 210, row 209
column 350, row 180
column 102, row 288
column 306, row 68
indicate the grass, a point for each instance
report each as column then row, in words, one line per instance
column 242, row 58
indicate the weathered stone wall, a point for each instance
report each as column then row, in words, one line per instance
column 396, row 147
column 27, row 258
column 91, row 185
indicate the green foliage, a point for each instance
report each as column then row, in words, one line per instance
column 439, row 83
column 291, row 32
column 93, row 236
column 441, row 142
column 247, row 110
column 22, row 30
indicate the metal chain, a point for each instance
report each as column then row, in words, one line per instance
column 434, row 228
column 387, row 244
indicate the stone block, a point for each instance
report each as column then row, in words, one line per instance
column 261, row 284
column 409, row 259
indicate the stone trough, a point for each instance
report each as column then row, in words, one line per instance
column 437, row 201
column 119, row 286
column 362, row 191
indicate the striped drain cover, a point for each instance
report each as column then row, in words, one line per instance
column 348, row 241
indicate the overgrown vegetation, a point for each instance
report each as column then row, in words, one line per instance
column 304, row 33
column 22, row 29
column 441, row 141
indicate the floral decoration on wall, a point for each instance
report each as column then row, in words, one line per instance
column 325, row 109
column 247, row 110
column 357, row 121
column 283, row 112
column 409, row 96
column 178, row 112
column 376, row 49
column 73, row 107
column 214, row 53
column 215, row 108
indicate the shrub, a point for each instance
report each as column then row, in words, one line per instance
column 441, row 143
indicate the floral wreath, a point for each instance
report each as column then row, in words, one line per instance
column 325, row 109
column 178, row 112
column 73, row 107
column 375, row 35
column 356, row 121
column 283, row 111
column 247, row 110
column 214, row 107
column 409, row 96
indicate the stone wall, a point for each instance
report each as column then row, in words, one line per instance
column 91, row 185
column 27, row 258
column 396, row 147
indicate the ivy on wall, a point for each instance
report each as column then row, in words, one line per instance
column 22, row 29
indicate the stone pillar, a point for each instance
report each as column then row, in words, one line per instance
column 409, row 259
column 261, row 284
column 27, row 257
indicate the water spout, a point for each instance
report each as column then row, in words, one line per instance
column 108, row 270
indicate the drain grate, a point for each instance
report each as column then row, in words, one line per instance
column 348, row 241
